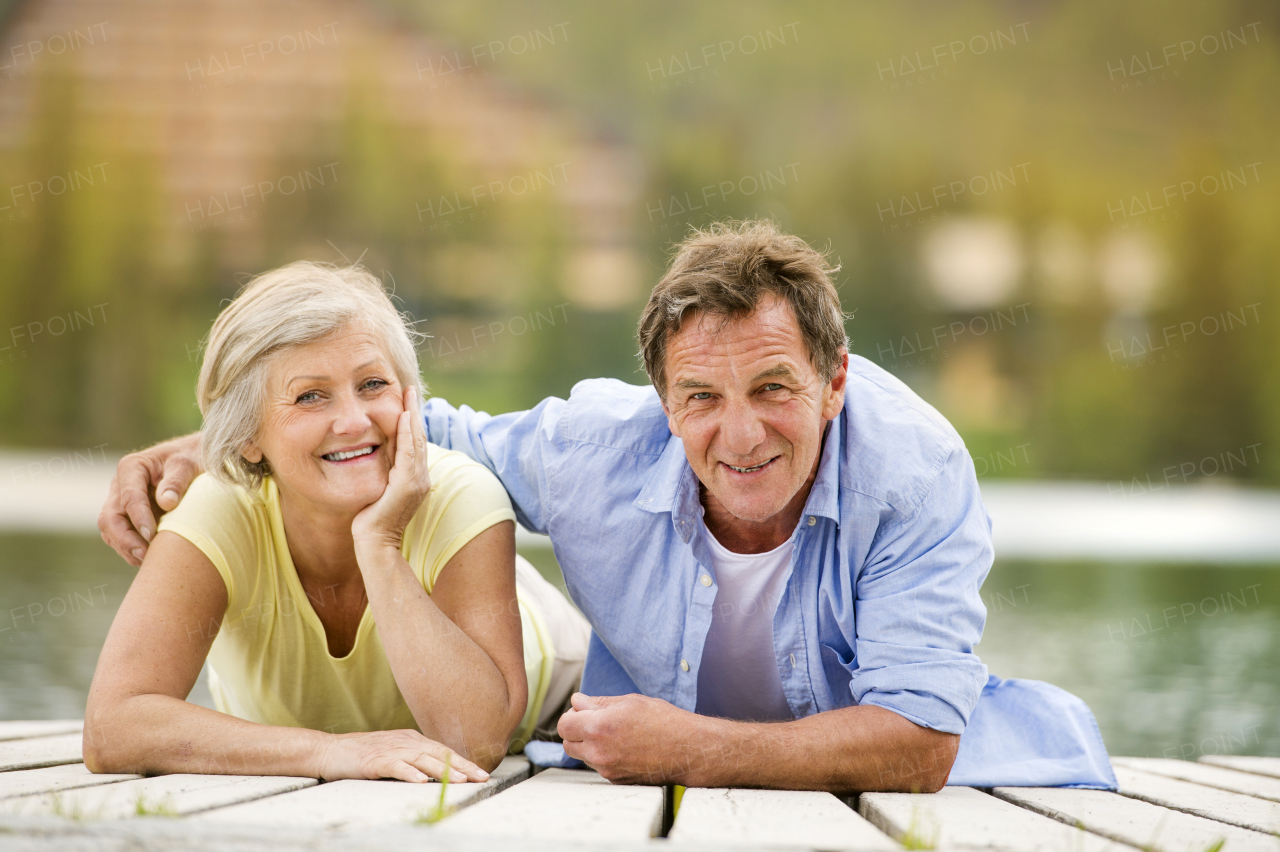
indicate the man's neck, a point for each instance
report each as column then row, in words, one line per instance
column 739, row 536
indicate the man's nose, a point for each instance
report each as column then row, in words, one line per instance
column 741, row 430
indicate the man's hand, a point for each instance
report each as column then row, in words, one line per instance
column 638, row 740
column 634, row 739
column 147, row 484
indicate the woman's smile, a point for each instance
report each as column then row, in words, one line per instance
column 353, row 455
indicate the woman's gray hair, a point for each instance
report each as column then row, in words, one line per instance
column 288, row 307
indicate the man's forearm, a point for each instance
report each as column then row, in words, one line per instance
column 853, row 748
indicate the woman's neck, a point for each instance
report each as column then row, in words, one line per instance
column 320, row 542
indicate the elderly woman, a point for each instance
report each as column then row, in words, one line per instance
column 354, row 589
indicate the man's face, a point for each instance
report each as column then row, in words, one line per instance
column 749, row 407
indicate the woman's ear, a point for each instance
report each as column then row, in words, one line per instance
column 251, row 452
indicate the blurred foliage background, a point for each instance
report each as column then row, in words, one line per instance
column 627, row 124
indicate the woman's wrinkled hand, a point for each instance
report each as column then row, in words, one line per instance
column 383, row 522
column 405, row 755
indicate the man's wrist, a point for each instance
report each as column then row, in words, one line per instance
column 714, row 753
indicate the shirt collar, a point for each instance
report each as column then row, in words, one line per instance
column 673, row 487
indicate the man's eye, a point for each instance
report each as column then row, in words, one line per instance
column 772, row 386
column 701, row 395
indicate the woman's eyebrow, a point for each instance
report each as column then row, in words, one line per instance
column 326, row 378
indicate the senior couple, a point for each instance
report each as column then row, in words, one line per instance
column 777, row 548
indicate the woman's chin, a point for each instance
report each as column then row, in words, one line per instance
column 350, row 496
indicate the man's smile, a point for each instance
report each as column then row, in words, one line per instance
column 753, row 468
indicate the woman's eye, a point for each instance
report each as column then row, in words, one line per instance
column 375, row 384
column 309, row 396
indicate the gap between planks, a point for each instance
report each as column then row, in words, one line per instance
column 1138, row 823
column 355, row 803
column 1208, row 802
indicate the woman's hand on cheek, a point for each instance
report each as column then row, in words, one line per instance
column 382, row 523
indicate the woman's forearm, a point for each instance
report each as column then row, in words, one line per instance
column 455, row 691
column 160, row 734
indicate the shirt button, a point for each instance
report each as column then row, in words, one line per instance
column 706, row 579
column 812, row 520
column 684, row 664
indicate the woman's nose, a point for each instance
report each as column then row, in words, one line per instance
column 350, row 416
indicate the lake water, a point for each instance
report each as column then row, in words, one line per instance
column 1174, row 660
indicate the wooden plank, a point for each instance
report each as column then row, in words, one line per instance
column 162, row 795
column 353, row 803
column 1257, row 765
column 964, row 817
column 40, row 751
column 27, row 782
column 26, row 730
column 1209, row 802
column 1126, row 820
column 723, row 817
column 564, row 805
column 1206, row 775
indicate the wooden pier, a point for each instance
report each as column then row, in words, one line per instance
column 48, row 801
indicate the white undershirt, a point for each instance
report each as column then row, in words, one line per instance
column 738, row 677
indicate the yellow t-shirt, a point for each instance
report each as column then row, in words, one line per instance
column 270, row 662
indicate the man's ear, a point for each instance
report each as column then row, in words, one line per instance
column 836, row 387
column 671, row 421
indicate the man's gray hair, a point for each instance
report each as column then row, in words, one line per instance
column 724, row 271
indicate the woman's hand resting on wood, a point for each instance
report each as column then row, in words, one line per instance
column 406, row 755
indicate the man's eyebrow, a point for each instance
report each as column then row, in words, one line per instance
column 781, row 371
column 686, row 384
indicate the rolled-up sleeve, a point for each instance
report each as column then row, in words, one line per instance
column 521, row 448
column 918, row 612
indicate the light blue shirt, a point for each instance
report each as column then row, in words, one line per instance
column 880, row 605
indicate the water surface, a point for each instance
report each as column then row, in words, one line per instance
column 1174, row 660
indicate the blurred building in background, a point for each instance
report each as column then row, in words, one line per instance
column 518, row 174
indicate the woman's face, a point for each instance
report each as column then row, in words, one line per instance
column 329, row 429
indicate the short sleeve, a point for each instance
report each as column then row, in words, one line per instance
column 465, row 500
column 220, row 520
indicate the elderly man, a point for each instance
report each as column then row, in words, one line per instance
column 779, row 548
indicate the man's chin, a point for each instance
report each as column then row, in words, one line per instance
column 744, row 508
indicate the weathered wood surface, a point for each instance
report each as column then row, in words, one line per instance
column 1167, row 806
column 163, row 795
column 1257, row 765
column 25, row 782
column 568, row 805
column 1206, row 775
column 354, row 803
column 39, row 751
column 1209, row 802
column 26, row 730
column 722, row 817
column 1151, row 827
column 964, row 817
